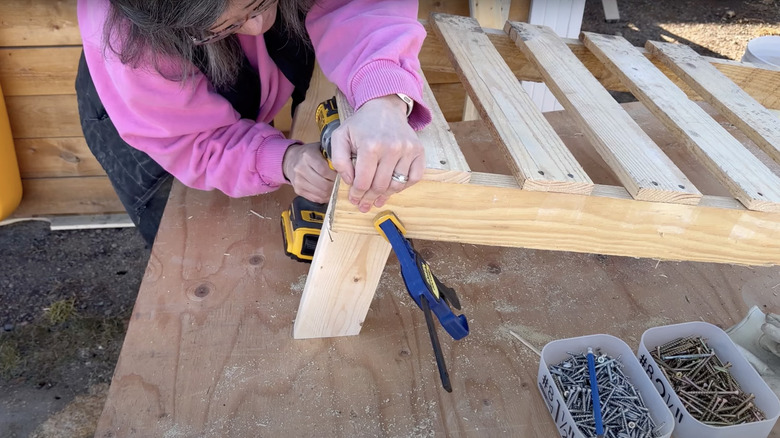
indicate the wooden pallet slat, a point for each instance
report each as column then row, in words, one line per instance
column 540, row 159
column 735, row 104
column 444, row 160
column 642, row 167
column 760, row 83
column 746, row 177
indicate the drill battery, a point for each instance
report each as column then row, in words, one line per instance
column 301, row 225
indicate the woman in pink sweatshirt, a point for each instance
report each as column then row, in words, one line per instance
column 190, row 89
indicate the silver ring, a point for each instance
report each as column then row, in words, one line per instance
column 399, row 178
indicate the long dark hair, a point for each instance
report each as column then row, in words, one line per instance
column 151, row 33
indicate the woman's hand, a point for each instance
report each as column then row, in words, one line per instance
column 308, row 172
column 384, row 144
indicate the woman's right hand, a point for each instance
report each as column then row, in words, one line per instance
column 308, row 172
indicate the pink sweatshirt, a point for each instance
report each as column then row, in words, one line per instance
column 368, row 48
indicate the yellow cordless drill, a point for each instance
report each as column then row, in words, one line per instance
column 302, row 222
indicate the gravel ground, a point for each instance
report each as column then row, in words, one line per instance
column 65, row 297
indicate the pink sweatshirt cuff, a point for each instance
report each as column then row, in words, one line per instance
column 381, row 78
column 268, row 160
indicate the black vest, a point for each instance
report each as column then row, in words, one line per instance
column 293, row 56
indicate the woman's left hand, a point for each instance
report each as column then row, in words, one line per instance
column 384, row 144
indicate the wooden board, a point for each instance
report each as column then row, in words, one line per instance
column 209, row 352
column 37, row 23
column 737, row 106
column 39, row 70
column 57, row 196
column 540, row 161
column 644, row 170
column 749, row 181
column 44, row 116
column 56, row 157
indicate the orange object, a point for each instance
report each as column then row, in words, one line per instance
column 10, row 181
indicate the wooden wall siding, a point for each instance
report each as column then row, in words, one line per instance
column 40, row 46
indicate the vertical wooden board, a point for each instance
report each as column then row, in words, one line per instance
column 55, row 157
column 749, row 180
column 39, row 23
column 343, row 277
column 642, row 167
column 39, row 71
column 44, row 116
column 346, row 267
column 540, row 160
column 735, row 104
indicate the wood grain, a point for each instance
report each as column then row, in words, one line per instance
column 342, row 280
column 39, row 70
column 643, row 169
column 58, row 196
column 56, row 157
column 34, row 23
column 541, row 161
column 749, row 180
column 739, row 108
column 44, row 116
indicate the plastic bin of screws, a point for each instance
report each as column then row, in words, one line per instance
column 720, row 394
column 631, row 407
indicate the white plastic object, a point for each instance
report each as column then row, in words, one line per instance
column 763, row 50
column 685, row 426
column 557, row 351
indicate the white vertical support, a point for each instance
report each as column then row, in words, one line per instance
column 611, row 13
column 565, row 18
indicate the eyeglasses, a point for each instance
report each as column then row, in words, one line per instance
column 230, row 30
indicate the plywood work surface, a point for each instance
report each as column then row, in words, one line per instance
column 209, row 350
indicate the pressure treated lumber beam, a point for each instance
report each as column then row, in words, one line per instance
column 736, row 105
column 492, row 210
column 747, row 178
column 540, row 159
column 760, row 83
column 642, row 167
